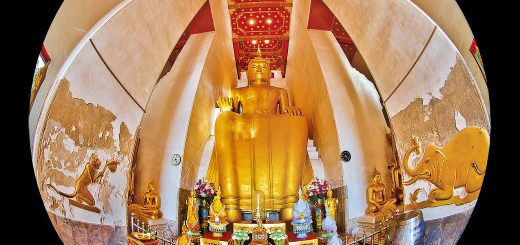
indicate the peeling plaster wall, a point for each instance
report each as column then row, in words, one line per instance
column 306, row 85
column 101, row 72
column 359, row 118
column 429, row 71
column 90, row 113
column 448, row 16
column 218, row 76
column 137, row 41
column 438, row 121
column 164, row 127
column 66, row 30
column 426, row 86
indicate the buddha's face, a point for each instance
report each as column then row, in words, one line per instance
column 377, row 178
column 258, row 72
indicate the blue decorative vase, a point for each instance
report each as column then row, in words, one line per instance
column 301, row 229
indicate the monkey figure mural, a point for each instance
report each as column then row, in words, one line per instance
column 461, row 163
column 83, row 197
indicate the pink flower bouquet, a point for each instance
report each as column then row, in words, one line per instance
column 204, row 189
column 317, row 189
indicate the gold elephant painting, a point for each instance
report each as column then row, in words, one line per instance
column 460, row 163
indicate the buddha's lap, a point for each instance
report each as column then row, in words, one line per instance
column 288, row 129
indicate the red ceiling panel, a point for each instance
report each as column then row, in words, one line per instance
column 256, row 1
column 260, row 24
column 256, row 21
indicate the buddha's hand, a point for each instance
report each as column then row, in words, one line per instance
column 225, row 104
column 293, row 111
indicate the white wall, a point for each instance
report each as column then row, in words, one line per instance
column 359, row 118
column 165, row 124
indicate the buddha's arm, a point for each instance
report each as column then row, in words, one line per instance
column 157, row 203
column 284, row 105
column 235, row 95
column 225, row 103
column 283, row 100
column 370, row 197
column 229, row 103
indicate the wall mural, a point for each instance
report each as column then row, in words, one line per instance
column 79, row 143
column 83, row 197
column 461, row 163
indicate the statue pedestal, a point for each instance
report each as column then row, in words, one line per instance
column 370, row 219
column 270, row 226
column 159, row 223
column 162, row 225
column 135, row 241
column 370, row 223
column 209, row 239
column 311, row 239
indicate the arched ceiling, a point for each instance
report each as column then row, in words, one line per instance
column 264, row 24
column 201, row 22
column 321, row 18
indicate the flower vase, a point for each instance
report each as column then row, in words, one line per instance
column 318, row 214
column 204, row 216
column 279, row 242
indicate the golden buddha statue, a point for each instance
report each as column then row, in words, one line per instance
column 192, row 220
column 376, row 196
column 150, row 207
column 217, row 212
column 397, row 181
column 332, row 204
column 184, row 238
column 261, row 144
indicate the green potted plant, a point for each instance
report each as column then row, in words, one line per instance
column 240, row 236
column 278, row 237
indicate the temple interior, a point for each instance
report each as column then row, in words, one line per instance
column 302, row 116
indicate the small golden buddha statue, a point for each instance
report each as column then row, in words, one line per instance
column 397, row 182
column 151, row 205
column 376, row 196
column 192, row 220
column 217, row 212
column 332, row 204
column 183, row 239
column 260, row 144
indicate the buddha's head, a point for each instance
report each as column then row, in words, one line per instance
column 150, row 187
column 329, row 193
column 258, row 70
column 376, row 176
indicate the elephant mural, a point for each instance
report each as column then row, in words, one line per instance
column 461, row 163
